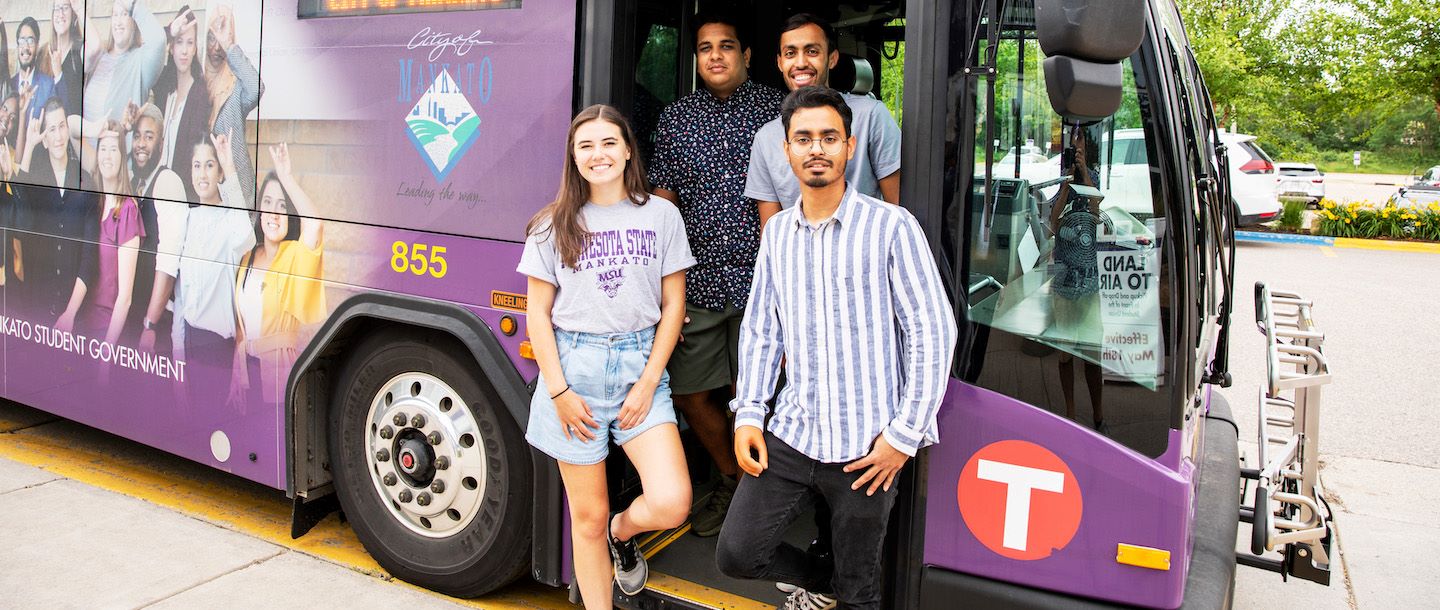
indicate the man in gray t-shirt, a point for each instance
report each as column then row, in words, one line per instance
column 807, row 53
column 615, row 284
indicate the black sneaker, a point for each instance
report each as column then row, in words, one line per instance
column 630, row 569
column 708, row 520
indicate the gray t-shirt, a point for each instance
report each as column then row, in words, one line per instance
column 615, row 285
column 877, row 155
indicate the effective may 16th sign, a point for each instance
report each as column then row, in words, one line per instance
column 1130, row 310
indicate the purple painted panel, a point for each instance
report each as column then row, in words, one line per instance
column 1124, row 498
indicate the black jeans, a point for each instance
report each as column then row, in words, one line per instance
column 752, row 541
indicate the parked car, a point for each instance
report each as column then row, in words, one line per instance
column 1301, row 180
column 1252, row 180
column 1416, row 196
column 1431, row 177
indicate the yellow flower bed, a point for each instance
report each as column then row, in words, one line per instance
column 1366, row 219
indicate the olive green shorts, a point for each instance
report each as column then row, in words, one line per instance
column 709, row 355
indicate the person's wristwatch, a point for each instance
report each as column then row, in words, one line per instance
column 149, row 325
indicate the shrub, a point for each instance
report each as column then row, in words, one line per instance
column 1292, row 215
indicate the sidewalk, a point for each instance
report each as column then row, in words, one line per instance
column 71, row 545
column 95, row 521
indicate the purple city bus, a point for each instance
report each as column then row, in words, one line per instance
column 279, row 238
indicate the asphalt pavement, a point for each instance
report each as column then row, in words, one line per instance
column 1380, row 460
column 1369, row 188
column 94, row 521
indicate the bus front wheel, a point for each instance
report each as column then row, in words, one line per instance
column 431, row 472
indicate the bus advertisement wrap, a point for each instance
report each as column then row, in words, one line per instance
column 228, row 199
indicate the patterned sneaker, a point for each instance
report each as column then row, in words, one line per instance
column 708, row 520
column 630, row 569
column 801, row 599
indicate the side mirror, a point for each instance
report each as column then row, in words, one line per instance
column 1083, row 91
column 1085, row 41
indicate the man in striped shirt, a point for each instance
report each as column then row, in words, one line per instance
column 845, row 289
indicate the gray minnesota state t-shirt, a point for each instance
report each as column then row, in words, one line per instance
column 615, row 285
column 877, row 155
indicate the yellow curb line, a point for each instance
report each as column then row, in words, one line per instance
column 1381, row 244
column 249, row 512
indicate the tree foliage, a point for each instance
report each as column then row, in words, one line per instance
column 1334, row 75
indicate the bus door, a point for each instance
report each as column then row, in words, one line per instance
column 639, row 56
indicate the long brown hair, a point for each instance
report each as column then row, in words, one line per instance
column 561, row 218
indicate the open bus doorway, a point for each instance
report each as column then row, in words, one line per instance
column 656, row 65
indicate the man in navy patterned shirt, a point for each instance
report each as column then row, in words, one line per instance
column 702, row 152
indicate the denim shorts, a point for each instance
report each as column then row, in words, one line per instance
column 601, row 369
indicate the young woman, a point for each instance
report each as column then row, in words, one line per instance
column 606, row 301
column 181, row 93
column 9, row 106
column 62, row 57
column 9, row 123
column 120, row 232
column 4, row 53
column 278, row 295
column 217, row 233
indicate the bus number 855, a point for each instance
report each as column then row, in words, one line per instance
column 405, row 257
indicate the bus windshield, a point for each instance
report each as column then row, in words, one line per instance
column 1064, row 242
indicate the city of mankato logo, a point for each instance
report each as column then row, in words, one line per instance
column 442, row 125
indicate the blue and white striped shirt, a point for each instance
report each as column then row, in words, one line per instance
column 856, row 307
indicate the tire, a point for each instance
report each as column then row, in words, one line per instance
column 473, row 535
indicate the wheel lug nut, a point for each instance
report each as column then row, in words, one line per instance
column 405, row 495
column 387, row 432
column 389, row 480
column 423, row 499
column 418, row 421
column 399, row 419
column 434, row 438
column 383, row 455
column 442, row 462
column 438, row 487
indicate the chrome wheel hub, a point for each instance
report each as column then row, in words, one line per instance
column 425, row 454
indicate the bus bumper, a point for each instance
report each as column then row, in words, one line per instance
column 1210, row 582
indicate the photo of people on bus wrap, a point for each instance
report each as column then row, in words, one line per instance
column 156, row 261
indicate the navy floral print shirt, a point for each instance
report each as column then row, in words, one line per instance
column 702, row 152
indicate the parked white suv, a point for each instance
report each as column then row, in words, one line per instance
column 1252, row 180
column 1301, row 181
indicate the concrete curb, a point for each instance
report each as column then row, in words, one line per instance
column 1338, row 242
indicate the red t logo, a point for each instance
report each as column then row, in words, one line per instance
column 1019, row 500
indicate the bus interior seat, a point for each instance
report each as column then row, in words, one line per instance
column 853, row 74
column 1015, row 219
